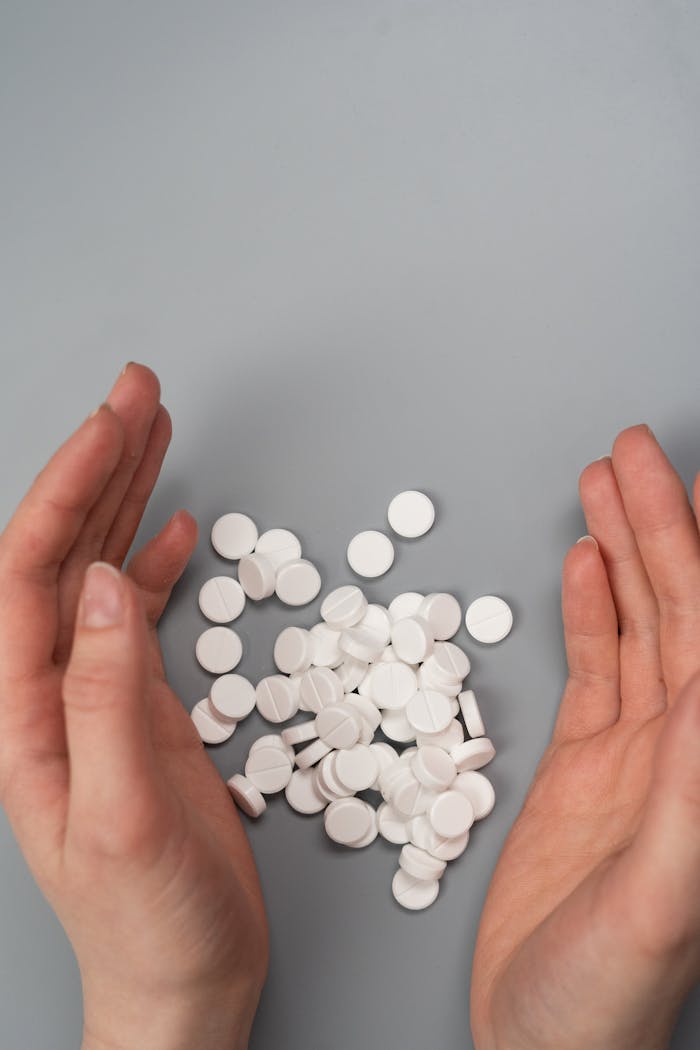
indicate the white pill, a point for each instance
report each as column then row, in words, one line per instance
column 272, row 740
column 443, row 613
column 433, row 767
column 302, row 793
column 393, row 826
column 471, row 714
column 362, row 643
column 325, row 652
column 390, row 778
column 449, row 663
column 479, row 791
column 392, row 685
column 327, row 782
column 232, row 697
column 275, row 698
column 454, row 706
column 246, row 795
column 234, row 535
column 429, row 712
column 357, row 768
column 388, row 656
column 365, row 686
column 322, row 786
column 219, row 650
column 349, row 821
column 428, row 678
column 257, row 576
column 411, row 514
column 344, row 607
column 293, row 650
column 370, row 553
column 451, row 814
column 405, row 605
column 269, row 769
column 424, row 835
column 421, row 864
column 320, row 687
column 366, row 709
column 386, row 756
column 210, row 728
column 412, row 639
column 414, row 894
column 410, row 797
column 312, row 754
column 449, row 738
column 377, row 619
column 396, row 727
column 298, row 582
column 473, row 754
column 489, row 619
column 300, row 733
column 351, row 672
column 279, row 546
column 221, row 599
column 338, row 725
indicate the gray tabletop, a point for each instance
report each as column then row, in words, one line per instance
column 368, row 246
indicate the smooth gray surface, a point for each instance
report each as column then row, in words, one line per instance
column 366, row 246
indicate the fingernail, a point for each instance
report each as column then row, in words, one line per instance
column 589, row 539
column 102, row 603
column 601, row 458
column 645, row 426
column 125, row 368
column 105, row 404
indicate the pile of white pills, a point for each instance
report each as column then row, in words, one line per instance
column 392, row 744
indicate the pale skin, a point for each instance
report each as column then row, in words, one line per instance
column 589, row 936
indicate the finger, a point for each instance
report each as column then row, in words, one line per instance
column 657, row 506
column 157, row 567
column 643, row 694
column 39, row 537
column 105, row 698
column 591, row 699
column 125, row 526
column 134, row 399
column 665, row 855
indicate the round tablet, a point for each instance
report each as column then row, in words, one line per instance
column 279, row 546
column 298, row 582
column 300, row 733
column 269, row 769
column 411, row 514
column 429, row 712
column 219, row 650
column 430, row 678
column 449, row 738
column 210, row 728
column 421, row 864
column 449, row 663
column 412, row 639
column 232, row 697
column 325, row 649
column 351, row 672
column 410, row 797
column 488, row 619
column 393, row 685
column 424, row 835
column 377, row 619
column 479, row 791
column 344, row 607
column 433, row 767
column 256, row 576
column 370, row 553
column 302, row 794
column 275, row 698
column 328, row 783
column 357, row 768
column 221, row 599
column 386, row 756
column 246, row 795
column 293, row 650
column 443, row 613
column 338, row 725
column 451, row 814
column 473, row 754
column 393, row 826
column 234, row 535
column 366, row 709
column 320, row 687
column 471, row 714
column 414, row 894
column 312, row 754
column 362, row 643
column 273, row 740
column 396, row 726
column 348, row 820
column 405, row 605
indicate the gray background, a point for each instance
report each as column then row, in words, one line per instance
column 367, row 246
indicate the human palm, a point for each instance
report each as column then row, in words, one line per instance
column 590, row 936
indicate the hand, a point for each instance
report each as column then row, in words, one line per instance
column 123, row 819
column 590, row 936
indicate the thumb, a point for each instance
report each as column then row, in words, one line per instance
column 666, row 850
column 105, row 697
